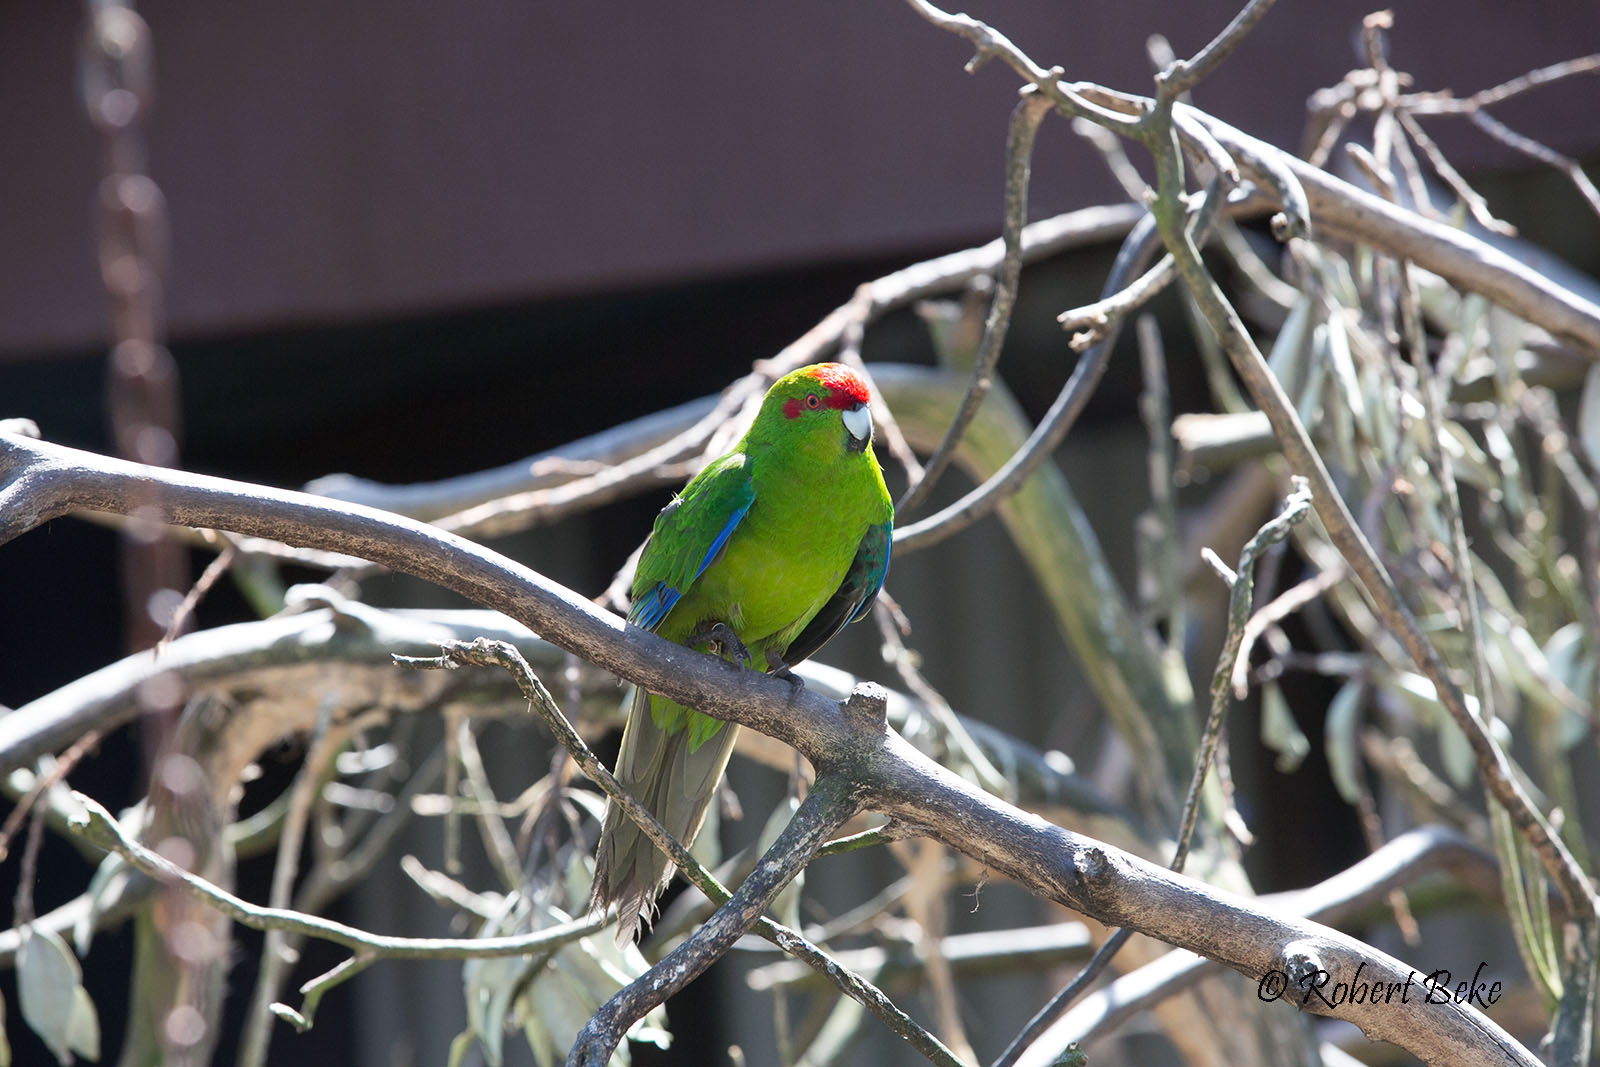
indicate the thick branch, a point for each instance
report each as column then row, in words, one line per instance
column 1398, row 863
column 276, row 658
column 41, row 481
column 340, row 652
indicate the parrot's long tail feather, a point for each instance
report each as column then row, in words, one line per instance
column 677, row 786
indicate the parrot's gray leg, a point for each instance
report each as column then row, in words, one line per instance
column 779, row 669
column 722, row 641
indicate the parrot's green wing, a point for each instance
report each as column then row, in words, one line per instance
column 851, row 601
column 689, row 535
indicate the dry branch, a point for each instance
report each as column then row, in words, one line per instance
column 40, row 481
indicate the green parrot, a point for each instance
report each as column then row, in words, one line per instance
column 761, row 559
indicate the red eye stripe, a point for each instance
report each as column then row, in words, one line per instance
column 792, row 407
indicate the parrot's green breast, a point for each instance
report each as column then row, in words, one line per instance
column 783, row 541
column 782, row 563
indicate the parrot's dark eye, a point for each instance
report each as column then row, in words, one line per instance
column 813, row 401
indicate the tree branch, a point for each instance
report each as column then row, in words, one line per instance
column 828, row 806
column 39, row 481
column 488, row 653
column 1455, row 255
column 1025, row 119
column 100, row 827
column 1398, row 863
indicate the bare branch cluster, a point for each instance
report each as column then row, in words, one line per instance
column 1387, row 393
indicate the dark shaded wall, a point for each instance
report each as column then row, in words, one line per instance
column 330, row 162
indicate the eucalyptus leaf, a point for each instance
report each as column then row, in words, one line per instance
column 1344, row 370
column 54, row 1003
column 1471, row 465
column 1290, row 348
column 557, row 1005
column 83, row 1029
column 1507, row 335
column 1571, row 663
column 1507, row 465
column 550, row 997
column 707, row 845
column 1526, row 893
column 1309, row 400
column 1340, row 737
column 1455, row 754
column 1588, row 427
column 106, row 887
column 1341, row 402
column 1279, row 731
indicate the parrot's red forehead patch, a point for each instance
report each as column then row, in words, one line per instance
column 841, row 388
column 846, row 385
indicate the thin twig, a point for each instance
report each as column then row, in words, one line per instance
column 1273, row 612
column 1155, row 409
column 1544, row 154
column 1296, row 507
column 1094, row 319
column 202, row 585
column 828, row 806
column 991, row 44
column 276, row 958
column 61, row 766
column 312, row 992
column 1452, row 177
column 924, row 860
column 1068, row 405
column 958, row 741
column 484, row 652
column 1353, row 544
column 1186, row 74
column 100, row 827
column 497, row 843
column 1025, row 119
column 1109, row 145
column 1448, row 104
column 1295, row 510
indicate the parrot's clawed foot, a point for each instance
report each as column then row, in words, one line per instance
column 722, row 642
column 779, row 669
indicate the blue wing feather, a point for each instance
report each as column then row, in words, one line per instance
column 877, row 570
column 719, row 542
column 663, row 579
column 653, row 606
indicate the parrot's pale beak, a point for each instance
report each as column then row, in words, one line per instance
column 858, row 421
